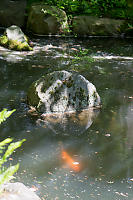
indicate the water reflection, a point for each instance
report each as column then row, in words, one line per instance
column 127, row 121
column 69, row 123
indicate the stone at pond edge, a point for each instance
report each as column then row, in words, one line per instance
column 17, row 191
column 45, row 20
column 15, row 39
column 62, row 91
column 90, row 25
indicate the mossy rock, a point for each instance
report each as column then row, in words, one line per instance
column 62, row 91
column 15, row 39
column 90, row 25
column 45, row 20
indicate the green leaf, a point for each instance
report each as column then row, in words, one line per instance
column 10, row 150
column 4, row 114
column 7, row 175
column 4, row 142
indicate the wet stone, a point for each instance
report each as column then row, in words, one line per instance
column 15, row 39
column 17, row 191
column 62, row 91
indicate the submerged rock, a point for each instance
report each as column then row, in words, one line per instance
column 45, row 20
column 61, row 92
column 17, row 191
column 15, row 39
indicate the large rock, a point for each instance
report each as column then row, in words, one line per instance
column 12, row 12
column 17, row 191
column 15, row 39
column 88, row 25
column 62, row 91
column 45, row 20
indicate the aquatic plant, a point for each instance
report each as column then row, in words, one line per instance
column 6, row 173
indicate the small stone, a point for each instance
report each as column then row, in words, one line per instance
column 17, row 191
column 15, row 39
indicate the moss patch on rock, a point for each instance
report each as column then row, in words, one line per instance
column 44, row 20
column 62, row 91
column 15, row 39
column 14, row 44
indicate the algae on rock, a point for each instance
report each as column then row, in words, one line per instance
column 15, row 39
column 45, row 20
column 62, row 91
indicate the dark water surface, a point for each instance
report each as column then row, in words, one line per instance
column 104, row 150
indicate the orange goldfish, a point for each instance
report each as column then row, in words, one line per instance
column 70, row 162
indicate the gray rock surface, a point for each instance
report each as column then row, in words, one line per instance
column 15, row 39
column 12, row 12
column 90, row 25
column 15, row 33
column 17, row 191
column 62, row 91
column 45, row 20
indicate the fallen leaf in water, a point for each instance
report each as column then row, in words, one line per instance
column 122, row 194
column 74, row 49
column 110, row 182
column 33, row 188
column 107, row 135
column 38, row 66
column 50, row 173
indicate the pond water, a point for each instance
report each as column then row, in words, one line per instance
column 104, row 149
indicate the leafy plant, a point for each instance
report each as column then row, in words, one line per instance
column 103, row 7
column 6, row 174
column 4, row 114
column 114, row 8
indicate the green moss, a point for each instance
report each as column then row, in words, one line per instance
column 3, row 40
column 14, row 45
column 32, row 96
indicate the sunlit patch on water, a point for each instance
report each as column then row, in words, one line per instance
column 113, row 57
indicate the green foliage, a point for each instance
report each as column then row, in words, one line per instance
column 4, row 114
column 113, row 8
column 69, row 6
column 10, row 149
column 105, row 7
column 6, row 174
